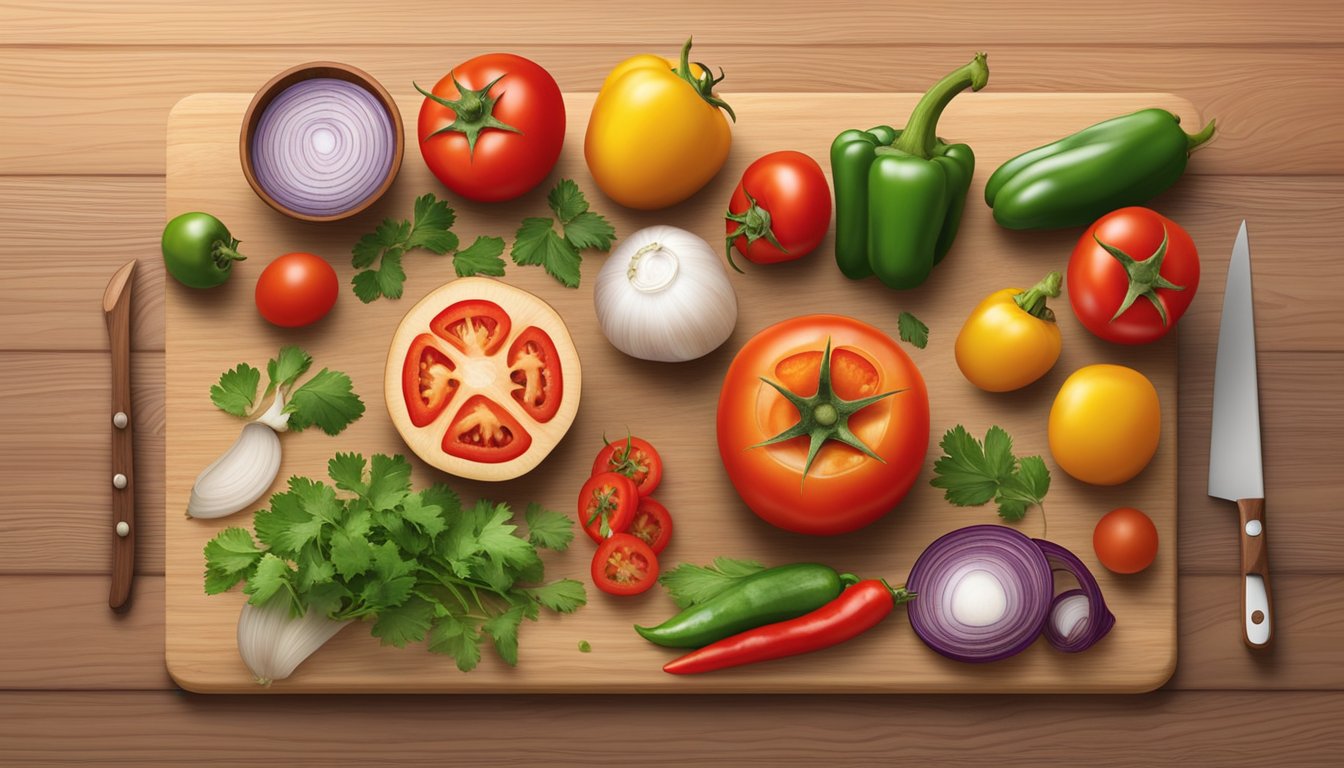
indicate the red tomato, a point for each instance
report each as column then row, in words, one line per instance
column 296, row 289
column 1125, row 540
column 511, row 109
column 1099, row 280
column 610, row 499
column 844, row 489
column 634, row 458
column 652, row 525
column 624, row 565
column 483, row 431
column 790, row 213
column 534, row 366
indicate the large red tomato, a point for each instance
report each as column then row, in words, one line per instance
column 1138, row 256
column 482, row 379
column 492, row 128
column 825, row 480
column 780, row 210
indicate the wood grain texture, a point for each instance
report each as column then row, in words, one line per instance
column 1187, row 729
column 201, row 630
column 1272, row 104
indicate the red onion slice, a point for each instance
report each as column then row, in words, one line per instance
column 1078, row 617
column 323, row 146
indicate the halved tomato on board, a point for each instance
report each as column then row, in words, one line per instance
column 652, row 525
column 482, row 379
column 636, row 459
column 624, row 565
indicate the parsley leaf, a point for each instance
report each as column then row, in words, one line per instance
column 286, row 367
column 482, row 257
column 327, row 400
column 272, row 576
column 547, row 529
column 972, row 473
column 457, row 638
column 689, row 584
column 913, row 330
column 236, row 390
column 537, row 242
column 566, row 200
column 347, row 471
column 433, row 222
column 404, row 624
column 503, row 630
column 228, row 558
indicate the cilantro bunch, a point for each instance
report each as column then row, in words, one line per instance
column 972, row 473
column 537, row 242
column 419, row 566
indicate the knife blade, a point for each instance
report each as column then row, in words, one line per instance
column 117, row 313
column 1236, row 471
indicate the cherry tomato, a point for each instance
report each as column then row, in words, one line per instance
column 780, row 210
column 624, row 565
column 296, row 289
column 493, row 127
column 1100, row 280
column 636, row 459
column 607, row 504
column 652, row 525
column 1125, row 540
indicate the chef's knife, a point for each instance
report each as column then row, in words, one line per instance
column 1235, row 469
column 117, row 312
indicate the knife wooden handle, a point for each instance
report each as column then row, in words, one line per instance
column 1256, row 611
column 122, row 482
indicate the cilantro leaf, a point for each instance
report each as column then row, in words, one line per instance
column 433, row 220
column 272, row 576
column 482, row 257
column 427, row 518
column 351, row 552
column 457, row 638
column 689, row 584
column 443, row 497
column 287, row 526
column 536, row 243
column 313, row 570
column 389, row 481
column 347, row 471
column 286, row 367
column 503, row 630
column 590, row 230
column 430, row 230
column 237, row 390
column 913, row 330
column 547, row 529
column 326, row 400
column 391, row 581
column 566, row 200
column 372, row 245
column 366, row 285
column 404, row 624
column 972, row 473
column 962, row 472
column 563, row 596
column 232, row 551
column 1023, row 489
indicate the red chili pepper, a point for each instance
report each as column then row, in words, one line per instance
column 857, row 609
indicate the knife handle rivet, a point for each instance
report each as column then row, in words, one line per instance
column 1253, row 528
column 123, row 529
column 118, row 481
column 120, row 420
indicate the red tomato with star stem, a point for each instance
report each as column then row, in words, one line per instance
column 493, row 127
column 296, row 289
column 781, row 209
column 1132, row 276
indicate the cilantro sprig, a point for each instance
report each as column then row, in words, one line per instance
column 430, row 229
column 972, row 473
column 913, row 330
column 537, row 242
column 420, row 566
column 689, row 584
column 327, row 400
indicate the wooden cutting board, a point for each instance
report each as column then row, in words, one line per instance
column 673, row 406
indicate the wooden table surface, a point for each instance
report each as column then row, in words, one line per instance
column 87, row 86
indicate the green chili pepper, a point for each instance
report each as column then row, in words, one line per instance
column 1123, row 161
column 766, row 597
column 899, row 195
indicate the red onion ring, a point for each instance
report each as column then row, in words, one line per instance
column 1065, row 630
column 323, row 146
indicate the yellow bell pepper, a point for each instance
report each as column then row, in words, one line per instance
column 656, row 134
column 1010, row 339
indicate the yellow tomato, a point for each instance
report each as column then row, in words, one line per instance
column 1105, row 424
column 1011, row 338
column 656, row 134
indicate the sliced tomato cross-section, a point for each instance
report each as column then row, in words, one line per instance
column 482, row 431
column 475, row 327
column 534, row 366
column 427, row 381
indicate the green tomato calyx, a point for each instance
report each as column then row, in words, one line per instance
column 473, row 112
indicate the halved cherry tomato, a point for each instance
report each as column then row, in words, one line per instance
column 475, row 327
column 652, row 525
column 624, row 565
column 482, row 431
column 634, row 458
column 607, row 505
column 535, row 367
column 427, row 380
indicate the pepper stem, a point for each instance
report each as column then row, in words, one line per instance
column 704, row 84
column 1194, row 140
column 920, row 134
column 1033, row 301
column 899, row 595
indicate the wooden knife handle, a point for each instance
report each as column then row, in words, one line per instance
column 122, row 482
column 1256, row 604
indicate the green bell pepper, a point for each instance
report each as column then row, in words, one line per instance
column 899, row 195
column 1123, row 161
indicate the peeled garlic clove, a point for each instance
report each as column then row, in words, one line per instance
column 239, row 477
column 273, row 642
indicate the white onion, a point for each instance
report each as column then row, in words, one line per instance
column 240, row 476
column 323, row 146
column 273, row 642
column 663, row 295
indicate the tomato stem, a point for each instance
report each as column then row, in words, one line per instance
column 704, row 84
column 1145, row 277
column 755, row 224
column 225, row 253
column 473, row 111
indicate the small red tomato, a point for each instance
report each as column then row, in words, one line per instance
column 607, row 504
column 634, row 458
column 624, row 565
column 1132, row 275
column 652, row 525
column 296, row 289
column 1125, row 540
column 780, row 210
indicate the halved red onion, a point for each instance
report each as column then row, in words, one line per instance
column 323, row 146
column 982, row 593
column 1078, row 617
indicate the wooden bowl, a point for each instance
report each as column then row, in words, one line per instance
column 312, row 70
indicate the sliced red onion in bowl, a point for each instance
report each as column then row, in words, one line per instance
column 1078, row 617
column 323, row 146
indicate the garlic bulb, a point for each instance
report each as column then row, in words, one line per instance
column 240, row 476
column 273, row 642
column 663, row 295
